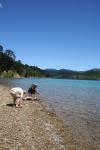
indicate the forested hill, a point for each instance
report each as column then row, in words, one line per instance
column 93, row 74
column 10, row 67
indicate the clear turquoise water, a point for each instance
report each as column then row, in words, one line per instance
column 76, row 102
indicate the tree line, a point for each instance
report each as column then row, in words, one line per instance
column 10, row 67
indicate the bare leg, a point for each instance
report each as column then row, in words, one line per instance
column 14, row 101
column 14, row 98
column 21, row 102
column 18, row 102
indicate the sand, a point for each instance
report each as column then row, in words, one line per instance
column 35, row 126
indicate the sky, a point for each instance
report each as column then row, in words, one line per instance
column 52, row 33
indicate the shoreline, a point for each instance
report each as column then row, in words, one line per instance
column 35, row 126
column 29, row 127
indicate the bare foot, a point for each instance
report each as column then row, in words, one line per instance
column 18, row 106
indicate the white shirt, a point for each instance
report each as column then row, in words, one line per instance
column 17, row 90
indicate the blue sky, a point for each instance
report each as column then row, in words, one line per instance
column 52, row 33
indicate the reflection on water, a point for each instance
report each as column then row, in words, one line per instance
column 76, row 102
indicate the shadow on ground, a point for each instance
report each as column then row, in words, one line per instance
column 10, row 105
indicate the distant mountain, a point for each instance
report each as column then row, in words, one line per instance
column 62, row 73
column 93, row 74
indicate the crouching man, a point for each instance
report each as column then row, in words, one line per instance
column 17, row 94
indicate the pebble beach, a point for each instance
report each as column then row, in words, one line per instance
column 32, row 127
column 35, row 126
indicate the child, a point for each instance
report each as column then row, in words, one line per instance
column 17, row 94
column 32, row 90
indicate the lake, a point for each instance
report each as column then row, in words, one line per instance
column 76, row 102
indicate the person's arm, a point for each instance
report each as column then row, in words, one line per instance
column 22, row 93
column 37, row 92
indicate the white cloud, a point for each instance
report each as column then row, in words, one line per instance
column 1, row 6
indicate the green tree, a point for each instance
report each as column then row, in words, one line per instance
column 1, row 48
column 10, row 54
